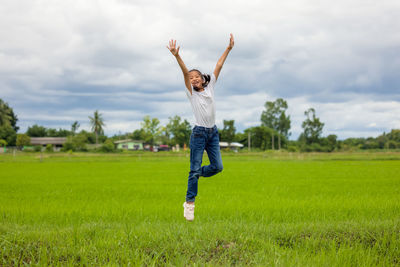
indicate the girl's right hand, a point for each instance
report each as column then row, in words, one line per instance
column 172, row 48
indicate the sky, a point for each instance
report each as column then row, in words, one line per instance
column 62, row 60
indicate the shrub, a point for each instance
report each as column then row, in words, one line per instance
column 68, row 146
column 3, row 142
column 315, row 147
column 393, row 144
column 108, row 146
column 292, row 148
column 75, row 143
column 28, row 149
column 37, row 148
column 23, row 140
column 49, row 148
column 79, row 142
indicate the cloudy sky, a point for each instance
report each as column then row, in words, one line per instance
column 62, row 60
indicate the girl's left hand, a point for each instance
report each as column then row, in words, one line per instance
column 231, row 42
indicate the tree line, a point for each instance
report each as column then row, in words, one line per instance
column 273, row 132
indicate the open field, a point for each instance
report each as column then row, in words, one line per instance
column 277, row 209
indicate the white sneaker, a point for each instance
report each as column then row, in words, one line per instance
column 188, row 211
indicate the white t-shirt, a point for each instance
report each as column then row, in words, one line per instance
column 203, row 104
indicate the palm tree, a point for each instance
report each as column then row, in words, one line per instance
column 74, row 127
column 97, row 124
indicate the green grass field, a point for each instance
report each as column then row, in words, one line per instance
column 269, row 209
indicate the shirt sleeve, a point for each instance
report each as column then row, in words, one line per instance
column 188, row 94
column 211, row 84
column 213, row 80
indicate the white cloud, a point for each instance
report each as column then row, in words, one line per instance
column 339, row 57
column 354, row 118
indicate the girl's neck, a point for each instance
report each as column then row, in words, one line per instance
column 199, row 89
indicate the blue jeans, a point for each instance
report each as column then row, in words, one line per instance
column 201, row 139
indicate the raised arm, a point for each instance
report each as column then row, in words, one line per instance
column 185, row 71
column 221, row 61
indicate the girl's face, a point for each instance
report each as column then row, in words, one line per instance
column 196, row 79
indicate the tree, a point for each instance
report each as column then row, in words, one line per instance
column 180, row 130
column 151, row 129
column 14, row 120
column 138, row 134
column 353, row 143
column 332, row 141
column 394, row 135
column 23, row 140
column 36, row 131
column 165, row 135
column 260, row 136
column 275, row 117
column 327, row 144
column 312, row 127
column 5, row 116
column 8, row 134
column 74, row 127
column 228, row 132
column 41, row 131
column 8, row 118
column 97, row 124
column 392, row 144
column 370, row 143
column 241, row 138
column 50, row 132
column 382, row 140
column 393, row 139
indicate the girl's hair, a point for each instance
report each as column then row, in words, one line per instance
column 206, row 78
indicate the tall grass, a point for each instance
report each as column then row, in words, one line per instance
column 263, row 209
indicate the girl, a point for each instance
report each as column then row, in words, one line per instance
column 200, row 91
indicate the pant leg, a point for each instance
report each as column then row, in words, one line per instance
column 197, row 145
column 214, row 155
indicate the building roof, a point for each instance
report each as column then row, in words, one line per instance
column 127, row 141
column 233, row 144
column 236, row 144
column 48, row 140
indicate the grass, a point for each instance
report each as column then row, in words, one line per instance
column 277, row 209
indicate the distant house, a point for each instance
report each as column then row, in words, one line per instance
column 234, row 145
column 129, row 144
column 56, row 142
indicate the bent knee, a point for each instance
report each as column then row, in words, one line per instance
column 218, row 168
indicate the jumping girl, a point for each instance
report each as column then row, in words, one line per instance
column 200, row 91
